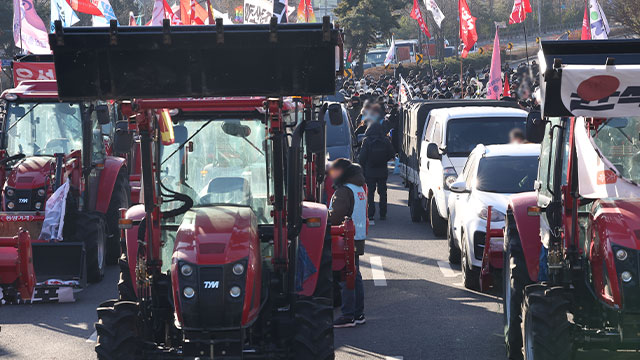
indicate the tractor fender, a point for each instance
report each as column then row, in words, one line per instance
column 529, row 230
column 312, row 238
column 108, row 176
column 135, row 213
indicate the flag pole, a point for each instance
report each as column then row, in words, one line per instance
column 460, row 46
column 429, row 50
column 526, row 46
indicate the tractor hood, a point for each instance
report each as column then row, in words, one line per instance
column 196, row 61
column 619, row 221
column 31, row 173
column 216, row 235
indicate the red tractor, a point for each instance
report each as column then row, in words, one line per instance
column 572, row 248
column 223, row 257
column 45, row 143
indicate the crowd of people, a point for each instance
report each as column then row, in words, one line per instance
column 374, row 106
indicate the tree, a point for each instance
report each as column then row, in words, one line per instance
column 365, row 23
column 627, row 13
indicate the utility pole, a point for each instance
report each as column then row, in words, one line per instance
column 539, row 19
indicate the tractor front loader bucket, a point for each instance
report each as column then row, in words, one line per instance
column 196, row 61
column 61, row 262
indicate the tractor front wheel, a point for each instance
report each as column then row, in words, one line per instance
column 313, row 338
column 117, row 331
column 92, row 228
column 547, row 332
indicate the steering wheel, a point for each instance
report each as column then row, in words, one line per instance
column 12, row 158
column 59, row 142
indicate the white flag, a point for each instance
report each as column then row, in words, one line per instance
column 60, row 10
column 599, row 25
column 391, row 53
column 158, row 13
column 105, row 7
column 438, row 16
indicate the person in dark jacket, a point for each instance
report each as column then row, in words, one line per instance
column 349, row 200
column 376, row 151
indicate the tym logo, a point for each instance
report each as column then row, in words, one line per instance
column 23, row 200
column 211, row 284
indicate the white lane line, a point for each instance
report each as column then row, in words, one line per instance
column 377, row 272
column 394, row 358
column 446, row 269
column 93, row 337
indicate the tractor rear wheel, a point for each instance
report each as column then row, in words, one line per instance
column 547, row 332
column 515, row 278
column 91, row 227
column 120, row 198
column 117, row 331
column 313, row 337
column 438, row 223
column 454, row 251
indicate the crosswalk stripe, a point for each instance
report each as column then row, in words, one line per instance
column 446, row 269
column 377, row 272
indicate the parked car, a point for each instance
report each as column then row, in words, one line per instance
column 490, row 175
column 450, row 136
column 340, row 141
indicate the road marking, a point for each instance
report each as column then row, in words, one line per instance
column 377, row 272
column 93, row 337
column 394, row 358
column 446, row 269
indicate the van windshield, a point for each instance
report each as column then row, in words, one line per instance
column 463, row 135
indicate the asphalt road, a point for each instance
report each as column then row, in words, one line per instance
column 416, row 307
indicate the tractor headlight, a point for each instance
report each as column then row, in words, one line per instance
column 10, row 192
column 238, row 269
column 41, row 192
column 235, row 291
column 621, row 255
column 186, row 270
column 188, row 292
column 626, row 276
column 10, row 205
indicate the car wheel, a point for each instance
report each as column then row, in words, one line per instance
column 470, row 273
column 438, row 223
column 454, row 251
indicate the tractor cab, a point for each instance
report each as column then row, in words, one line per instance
column 572, row 247
column 46, row 145
column 223, row 257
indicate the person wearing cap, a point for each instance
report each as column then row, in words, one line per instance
column 350, row 200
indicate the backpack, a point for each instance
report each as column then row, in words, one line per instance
column 378, row 151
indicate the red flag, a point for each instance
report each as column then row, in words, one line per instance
column 132, row 19
column 416, row 14
column 506, row 92
column 350, row 53
column 468, row 32
column 169, row 14
column 586, row 24
column 210, row 13
column 192, row 13
column 185, row 18
column 85, row 7
column 519, row 11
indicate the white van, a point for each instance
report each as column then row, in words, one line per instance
column 449, row 136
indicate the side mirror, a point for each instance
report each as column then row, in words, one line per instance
column 534, row 131
column 335, row 114
column 102, row 113
column 122, row 138
column 459, row 187
column 314, row 136
column 180, row 134
column 433, row 152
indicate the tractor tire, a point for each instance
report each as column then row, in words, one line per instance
column 547, row 332
column 126, row 291
column 324, row 286
column 515, row 279
column 91, row 228
column 120, row 198
column 313, row 339
column 117, row 331
column 470, row 274
column 438, row 223
column 454, row 251
column 415, row 205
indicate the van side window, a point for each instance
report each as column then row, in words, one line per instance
column 437, row 134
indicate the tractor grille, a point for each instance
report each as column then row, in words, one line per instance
column 211, row 296
column 23, row 200
column 631, row 290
